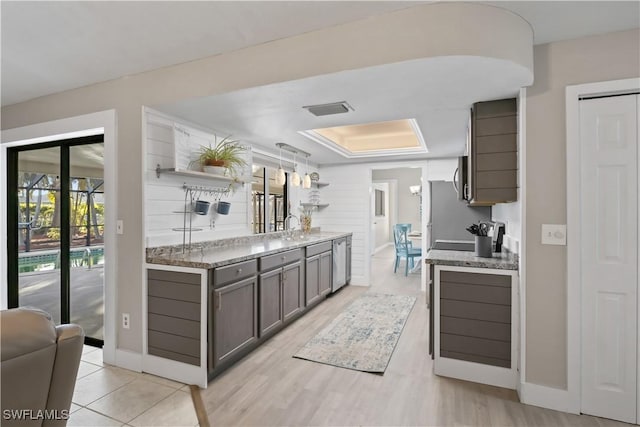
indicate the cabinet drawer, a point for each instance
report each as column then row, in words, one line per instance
column 279, row 259
column 318, row 248
column 234, row 272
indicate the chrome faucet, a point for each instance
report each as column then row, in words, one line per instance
column 287, row 222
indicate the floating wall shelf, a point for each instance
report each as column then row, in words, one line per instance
column 195, row 174
column 314, row 205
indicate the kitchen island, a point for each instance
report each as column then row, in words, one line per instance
column 473, row 328
column 210, row 306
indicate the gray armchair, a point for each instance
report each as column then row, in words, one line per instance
column 39, row 367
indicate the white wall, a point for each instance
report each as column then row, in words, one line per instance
column 165, row 197
column 589, row 59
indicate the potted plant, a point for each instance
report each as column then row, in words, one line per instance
column 222, row 158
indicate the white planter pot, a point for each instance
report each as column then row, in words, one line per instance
column 215, row 170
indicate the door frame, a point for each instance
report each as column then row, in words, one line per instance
column 574, row 283
column 72, row 127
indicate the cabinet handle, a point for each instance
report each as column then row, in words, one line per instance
column 284, row 257
column 239, row 271
column 219, row 301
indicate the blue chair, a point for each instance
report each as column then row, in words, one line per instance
column 408, row 226
column 404, row 248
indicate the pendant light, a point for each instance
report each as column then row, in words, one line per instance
column 295, row 177
column 306, row 183
column 280, row 176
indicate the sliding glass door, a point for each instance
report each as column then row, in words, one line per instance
column 55, row 231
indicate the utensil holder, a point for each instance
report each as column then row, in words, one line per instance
column 483, row 246
column 223, row 208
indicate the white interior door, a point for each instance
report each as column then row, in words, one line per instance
column 381, row 217
column 609, row 258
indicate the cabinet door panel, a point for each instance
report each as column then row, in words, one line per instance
column 326, row 270
column 235, row 318
column 312, row 279
column 291, row 290
column 270, row 301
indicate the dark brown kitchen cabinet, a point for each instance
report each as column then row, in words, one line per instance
column 312, row 282
column 319, row 270
column 493, row 153
column 292, row 291
column 234, row 312
column 326, row 272
column 270, row 301
column 280, row 296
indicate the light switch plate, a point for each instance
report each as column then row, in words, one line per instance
column 554, row 234
column 120, row 226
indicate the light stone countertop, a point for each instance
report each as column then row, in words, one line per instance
column 212, row 257
column 500, row 261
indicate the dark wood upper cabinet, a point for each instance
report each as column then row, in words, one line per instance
column 493, row 153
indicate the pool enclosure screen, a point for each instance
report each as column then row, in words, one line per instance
column 56, row 230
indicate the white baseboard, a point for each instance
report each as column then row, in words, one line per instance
column 177, row 371
column 128, row 359
column 381, row 247
column 547, row 397
column 358, row 281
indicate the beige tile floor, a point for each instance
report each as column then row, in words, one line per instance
column 110, row 396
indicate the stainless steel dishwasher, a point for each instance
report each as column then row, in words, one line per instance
column 339, row 264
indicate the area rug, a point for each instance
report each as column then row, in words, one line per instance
column 362, row 337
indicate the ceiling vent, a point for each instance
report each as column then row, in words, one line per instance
column 329, row 109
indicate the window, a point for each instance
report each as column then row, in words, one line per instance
column 379, row 203
column 269, row 216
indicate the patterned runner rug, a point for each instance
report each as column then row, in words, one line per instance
column 362, row 337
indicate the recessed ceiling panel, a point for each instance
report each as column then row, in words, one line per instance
column 371, row 139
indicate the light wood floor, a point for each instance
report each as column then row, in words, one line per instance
column 270, row 387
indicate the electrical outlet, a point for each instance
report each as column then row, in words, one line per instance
column 125, row 321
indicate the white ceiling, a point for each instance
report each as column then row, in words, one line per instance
column 49, row 47
column 437, row 92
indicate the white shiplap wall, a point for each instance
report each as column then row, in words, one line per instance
column 164, row 196
column 348, row 211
